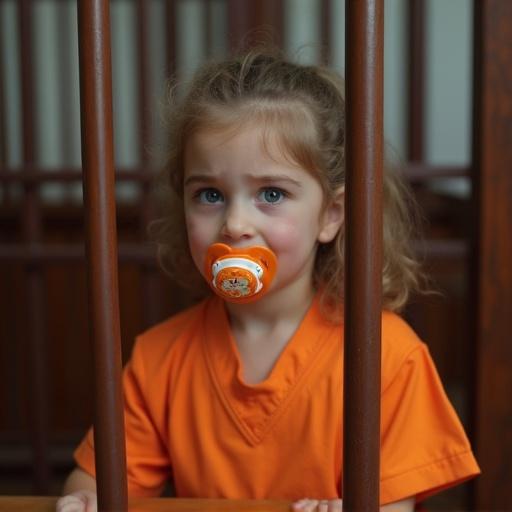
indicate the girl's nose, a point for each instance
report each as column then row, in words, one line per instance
column 237, row 225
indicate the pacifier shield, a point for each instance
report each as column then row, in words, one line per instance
column 240, row 275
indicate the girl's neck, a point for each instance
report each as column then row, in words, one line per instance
column 284, row 306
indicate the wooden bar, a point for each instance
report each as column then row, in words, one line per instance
column 66, row 93
column 249, row 21
column 238, row 22
column 172, row 40
column 416, row 79
column 207, row 28
column 149, row 288
column 363, row 273
column 37, row 353
column 433, row 250
column 491, row 295
column 39, row 504
column 4, row 158
column 325, row 30
column 101, row 250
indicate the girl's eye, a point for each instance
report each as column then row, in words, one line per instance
column 209, row 196
column 272, row 195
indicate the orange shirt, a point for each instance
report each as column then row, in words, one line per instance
column 190, row 416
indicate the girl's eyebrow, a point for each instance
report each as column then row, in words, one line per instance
column 273, row 178
column 199, row 178
column 268, row 178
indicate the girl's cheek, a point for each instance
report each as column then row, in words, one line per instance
column 284, row 235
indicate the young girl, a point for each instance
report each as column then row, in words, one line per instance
column 240, row 395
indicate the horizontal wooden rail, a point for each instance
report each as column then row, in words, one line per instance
column 432, row 249
column 70, row 253
column 47, row 504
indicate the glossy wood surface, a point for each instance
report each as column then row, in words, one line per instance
column 492, row 304
column 101, row 251
column 47, row 504
column 363, row 256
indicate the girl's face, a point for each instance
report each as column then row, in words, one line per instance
column 235, row 193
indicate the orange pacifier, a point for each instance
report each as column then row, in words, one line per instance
column 240, row 275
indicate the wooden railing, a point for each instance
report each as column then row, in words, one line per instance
column 47, row 504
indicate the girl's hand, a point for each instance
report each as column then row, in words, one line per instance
column 79, row 501
column 307, row 505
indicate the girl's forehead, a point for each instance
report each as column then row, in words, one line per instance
column 247, row 143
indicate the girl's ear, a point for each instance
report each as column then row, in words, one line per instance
column 333, row 217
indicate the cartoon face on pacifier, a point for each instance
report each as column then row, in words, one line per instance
column 240, row 275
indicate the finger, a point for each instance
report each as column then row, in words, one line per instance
column 304, row 505
column 311, row 506
column 335, row 506
column 92, row 506
column 323, row 506
column 299, row 505
column 70, row 504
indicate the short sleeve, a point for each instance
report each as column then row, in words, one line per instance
column 424, row 448
column 147, row 459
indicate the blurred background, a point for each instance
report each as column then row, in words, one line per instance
column 45, row 359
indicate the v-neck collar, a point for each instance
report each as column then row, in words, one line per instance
column 255, row 408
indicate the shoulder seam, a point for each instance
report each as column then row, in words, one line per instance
column 421, row 346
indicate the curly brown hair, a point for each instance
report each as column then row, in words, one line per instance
column 304, row 107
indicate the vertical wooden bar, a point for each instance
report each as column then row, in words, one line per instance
column 3, row 124
column 32, row 233
column 273, row 16
column 492, row 297
column 363, row 303
column 325, row 29
column 248, row 21
column 149, row 283
column 207, row 28
column 170, row 10
column 416, row 79
column 101, row 251
column 239, row 17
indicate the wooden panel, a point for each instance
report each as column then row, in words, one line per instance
column 493, row 291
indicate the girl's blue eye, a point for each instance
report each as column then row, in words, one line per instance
column 209, row 196
column 272, row 195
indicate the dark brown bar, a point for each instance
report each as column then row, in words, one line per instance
column 3, row 124
column 51, row 254
column 325, row 30
column 37, row 352
column 66, row 93
column 101, row 251
column 149, row 304
column 249, row 22
column 442, row 249
column 238, row 22
column 207, row 28
column 172, row 40
column 492, row 277
column 364, row 163
column 416, row 79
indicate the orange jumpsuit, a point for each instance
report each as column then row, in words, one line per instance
column 189, row 415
